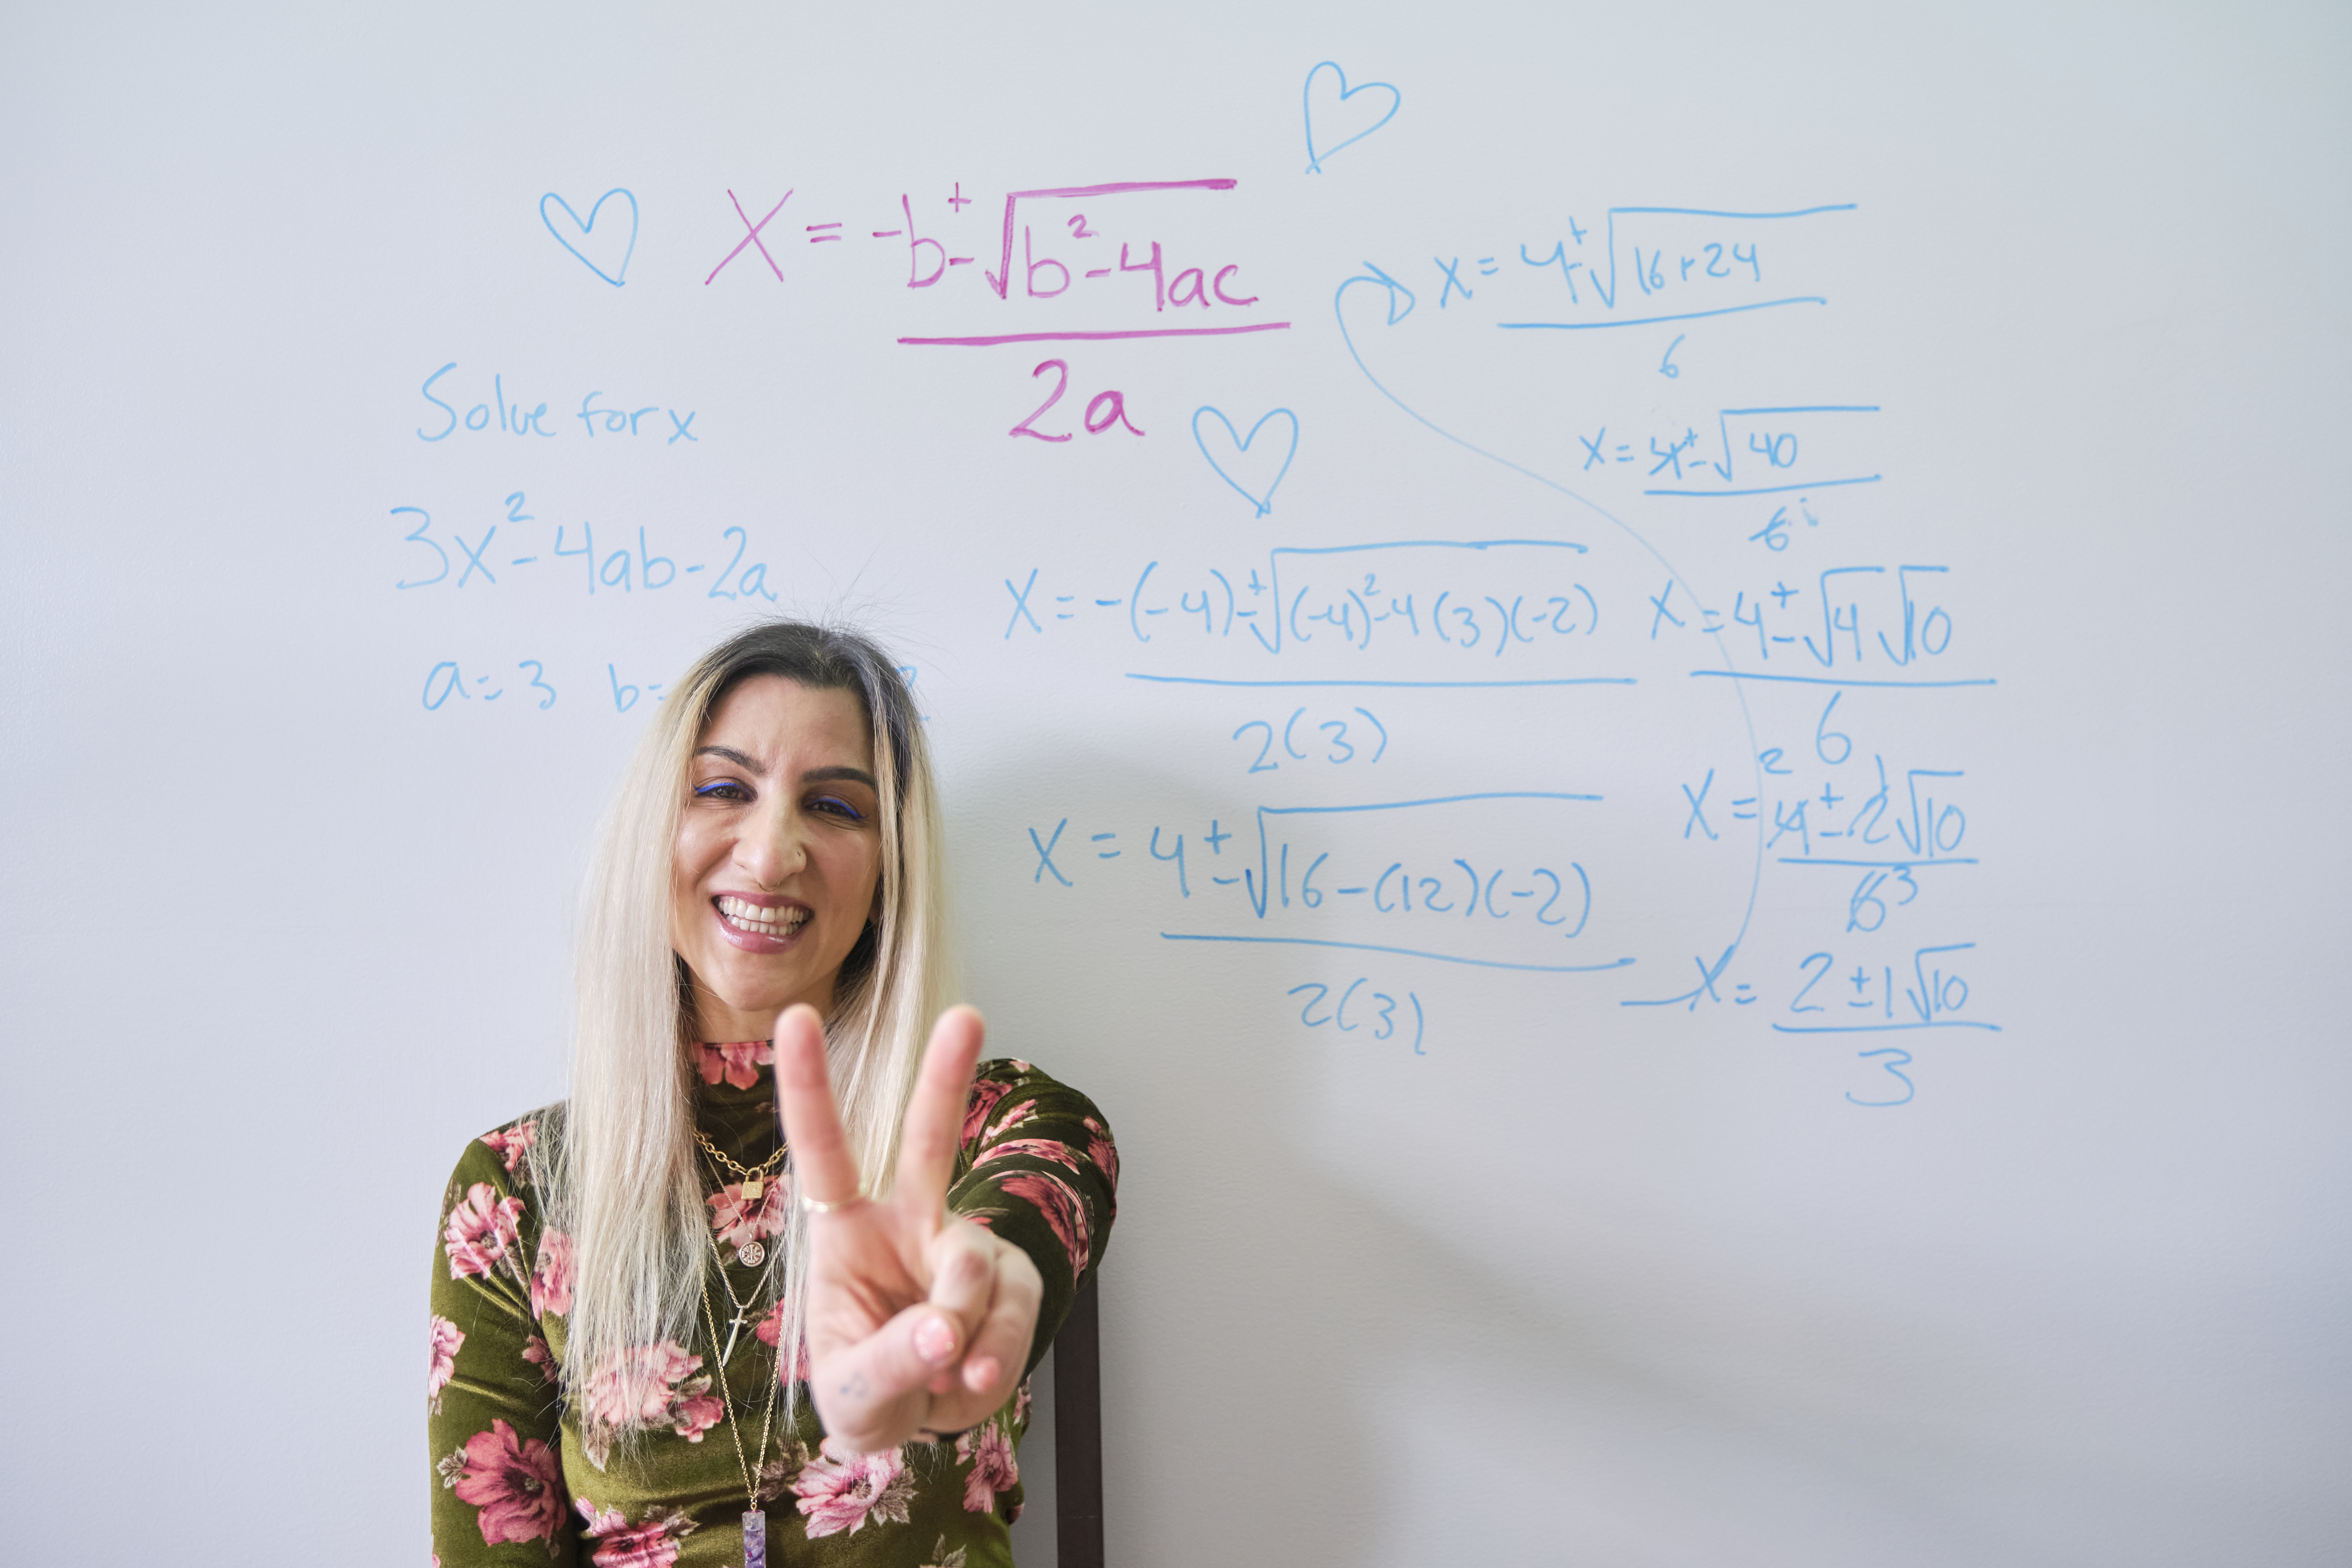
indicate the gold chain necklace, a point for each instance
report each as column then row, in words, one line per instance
column 751, row 1254
column 754, row 1183
column 754, row 1178
column 743, row 1309
column 755, row 1518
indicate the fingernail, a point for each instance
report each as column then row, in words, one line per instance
column 934, row 1341
column 981, row 1372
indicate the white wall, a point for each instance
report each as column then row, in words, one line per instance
column 1576, row 1280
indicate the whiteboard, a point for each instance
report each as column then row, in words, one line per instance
column 1655, row 697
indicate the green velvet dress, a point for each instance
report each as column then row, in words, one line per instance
column 520, row 1477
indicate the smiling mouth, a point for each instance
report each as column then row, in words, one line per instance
column 754, row 921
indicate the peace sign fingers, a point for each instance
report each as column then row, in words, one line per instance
column 915, row 1320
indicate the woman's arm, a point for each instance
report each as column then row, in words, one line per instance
column 491, row 1397
column 1039, row 1169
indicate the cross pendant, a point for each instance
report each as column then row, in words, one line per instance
column 734, row 1327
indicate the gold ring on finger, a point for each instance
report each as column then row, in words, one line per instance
column 810, row 1204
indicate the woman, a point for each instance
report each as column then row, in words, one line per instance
column 620, row 1275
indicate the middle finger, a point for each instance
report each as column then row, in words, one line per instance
column 934, row 1124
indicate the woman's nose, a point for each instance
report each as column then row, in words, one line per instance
column 771, row 849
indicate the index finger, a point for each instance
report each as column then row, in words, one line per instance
column 934, row 1124
column 823, row 1167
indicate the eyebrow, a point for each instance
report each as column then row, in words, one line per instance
column 814, row 776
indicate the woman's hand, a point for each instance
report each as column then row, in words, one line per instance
column 917, row 1323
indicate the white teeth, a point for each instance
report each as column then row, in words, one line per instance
column 761, row 922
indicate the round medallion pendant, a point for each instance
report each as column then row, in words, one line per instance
column 751, row 1254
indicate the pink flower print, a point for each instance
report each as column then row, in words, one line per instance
column 984, row 1095
column 637, row 1386
column 447, row 1338
column 651, row 1385
column 1021, row 1404
column 600, row 1521
column 513, row 1480
column 1011, row 1119
column 769, row 1330
column 535, row 1351
column 1030, row 1148
column 776, row 1475
column 1101, row 1151
column 738, row 1220
column 841, row 1491
column 550, row 1282
column 653, row 1544
column 513, row 1142
column 695, row 1411
column 738, row 1062
column 1060, row 1205
column 481, row 1227
column 993, row 1468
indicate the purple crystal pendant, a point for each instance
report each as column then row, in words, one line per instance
column 755, row 1540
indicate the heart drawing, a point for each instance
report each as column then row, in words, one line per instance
column 1232, row 459
column 1340, row 122
column 581, row 246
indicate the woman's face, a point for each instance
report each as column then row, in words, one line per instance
column 779, row 853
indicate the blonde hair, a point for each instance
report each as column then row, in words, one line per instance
column 621, row 1176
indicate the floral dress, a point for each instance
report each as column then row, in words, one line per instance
column 520, row 1477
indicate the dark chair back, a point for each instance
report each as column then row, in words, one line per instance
column 1078, row 1434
